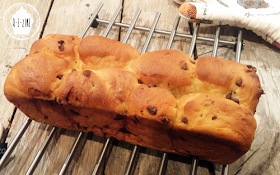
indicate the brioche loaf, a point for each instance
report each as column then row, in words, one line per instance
column 163, row 99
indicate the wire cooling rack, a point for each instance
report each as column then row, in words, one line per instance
column 107, row 147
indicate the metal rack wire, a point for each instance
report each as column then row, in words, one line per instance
column 107, row 147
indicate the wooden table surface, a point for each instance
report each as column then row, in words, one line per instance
column 70, row 17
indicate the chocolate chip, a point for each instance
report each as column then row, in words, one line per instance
column 235, row 100
column 74, row 112
column 164, row 119
column 239, row 83
column 124, row 130
column 184, row 120
column 249, row 66
column 140, row 81
column 60, row 42
column 214, row 118
column 152, row 110
column 53, row 102
column 59, row 76
column 184, row 66
column 192, row 62
column 151, row 85
column 46, row 117
column 120, row 117
column 61, row 48
column 86, row 73
column 229, row 96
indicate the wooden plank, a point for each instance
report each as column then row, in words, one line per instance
column 59, row 147
column 12, row 50
column 168, row 10
column 119, row 155
column 149, row 160
column 29, row 145
column 69, row 18
column 224, row 51
column 263, row 157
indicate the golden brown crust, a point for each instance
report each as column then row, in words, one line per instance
column 152, row 116
column 98, row 52
column 163, row 99
column 61, row 46
column 211, row 115
column 149, row 103
column 213, row 119
column 35, row 76
column 106, row 92
column 222, row 77
column 167, row 68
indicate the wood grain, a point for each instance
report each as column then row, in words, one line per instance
column 168, row 10
column 149, row 160
column 59, row 147
column 263, row 157
column 13, row 50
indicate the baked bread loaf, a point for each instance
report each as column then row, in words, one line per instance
column 163, row 100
